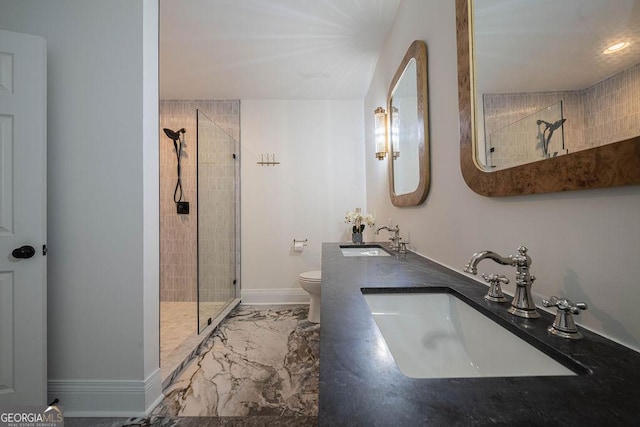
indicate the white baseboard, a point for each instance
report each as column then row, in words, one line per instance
column 274, row 296
column 107, row 398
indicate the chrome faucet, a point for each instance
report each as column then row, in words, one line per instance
column 395, row 240
column 522, row 304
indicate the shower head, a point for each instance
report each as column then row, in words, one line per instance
column 551, row 126
column 557, row 124
column 544, row 137
column 175, row 135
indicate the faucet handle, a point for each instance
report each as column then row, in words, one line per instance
column 495, row 291
column 563, row 325
column 565, row 304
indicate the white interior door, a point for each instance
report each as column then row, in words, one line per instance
column 23, row 302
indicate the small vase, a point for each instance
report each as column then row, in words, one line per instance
column 356, row 238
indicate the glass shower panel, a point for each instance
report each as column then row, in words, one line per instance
column 535, row 137
column 217, row 189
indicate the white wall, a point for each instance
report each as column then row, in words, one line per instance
column 319, row 145
column 102, row 199
column 585, row 245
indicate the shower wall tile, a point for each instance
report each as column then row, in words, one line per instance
column 178, row 233
column 607, row 112
column 503, row 110
column 612, row 109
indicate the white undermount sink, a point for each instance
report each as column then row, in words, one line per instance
column 363, row 250
column 437, row 335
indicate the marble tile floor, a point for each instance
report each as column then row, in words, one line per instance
column 259, row 368
column 260, row 361
column 179, row 331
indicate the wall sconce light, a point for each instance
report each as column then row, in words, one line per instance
column 395, row 132
column 381, row 133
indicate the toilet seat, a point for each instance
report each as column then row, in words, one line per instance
column 311, row 276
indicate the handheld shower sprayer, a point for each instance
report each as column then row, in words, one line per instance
column 546, row 138
column 551, row 126
column 175, row 135
column 182, row 207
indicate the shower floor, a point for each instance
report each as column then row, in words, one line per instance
column 179, row 331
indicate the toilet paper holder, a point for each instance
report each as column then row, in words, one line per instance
column 298, row 245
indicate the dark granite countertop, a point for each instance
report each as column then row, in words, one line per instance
column 361, row 384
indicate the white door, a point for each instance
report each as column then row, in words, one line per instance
column 23, row 298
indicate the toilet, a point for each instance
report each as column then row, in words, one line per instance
column 310, row 282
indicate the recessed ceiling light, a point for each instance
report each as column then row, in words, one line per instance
column 616, row 47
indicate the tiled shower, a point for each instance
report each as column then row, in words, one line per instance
column 199, row 251
column 606, row 112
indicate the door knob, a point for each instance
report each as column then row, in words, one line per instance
column 24, row 252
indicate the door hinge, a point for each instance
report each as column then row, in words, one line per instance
column 44, row 250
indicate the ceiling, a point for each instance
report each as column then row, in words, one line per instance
column 271, row 49
column 550, row 45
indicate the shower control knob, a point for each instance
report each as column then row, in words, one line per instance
column 24, row 252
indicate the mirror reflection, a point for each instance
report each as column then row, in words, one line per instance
column 408, row 129
column 553, row 78
column 405, row 131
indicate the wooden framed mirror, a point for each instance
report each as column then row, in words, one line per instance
column 408, row 119
column 614, row 164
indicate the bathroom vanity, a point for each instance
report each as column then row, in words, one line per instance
column 360, row 383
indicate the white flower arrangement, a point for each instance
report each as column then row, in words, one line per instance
column 357, row 218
